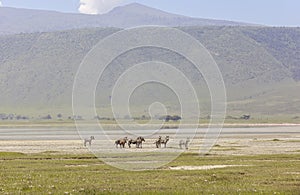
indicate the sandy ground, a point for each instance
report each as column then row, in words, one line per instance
column 26, row 146
column 207, row 167
column 255, row 146
column 239, row 145
column 280, row 139
column 232, row 141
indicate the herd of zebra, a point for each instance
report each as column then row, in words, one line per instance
column 139, row 142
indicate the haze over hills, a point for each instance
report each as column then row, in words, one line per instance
column 14, row 21
column 42, row 50
column 260, row 66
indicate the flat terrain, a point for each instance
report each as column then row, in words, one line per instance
column 271, row 139
column 51, row 159
column 52, row 173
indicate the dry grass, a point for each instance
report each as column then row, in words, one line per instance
column 53, row 173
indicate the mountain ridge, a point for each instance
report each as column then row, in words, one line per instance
column 18, row 20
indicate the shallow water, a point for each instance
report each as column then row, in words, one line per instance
column 71, row 133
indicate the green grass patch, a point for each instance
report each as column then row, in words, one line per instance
column 293, row 141
column 50, row 152
column 218, row 147
column 83, row 174
column 11, row 154
column 275, row 140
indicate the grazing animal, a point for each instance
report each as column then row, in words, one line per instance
column 184, row 143
column 121, row 142
column 131, row 141
column 139, row 142
column 158, row 142
column 88, row 140
column 165, row 141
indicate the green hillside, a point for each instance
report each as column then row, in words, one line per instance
column 260, row 66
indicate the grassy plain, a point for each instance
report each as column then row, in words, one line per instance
column 54, row 173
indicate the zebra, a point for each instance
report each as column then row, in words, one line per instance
column 160, row 141
column 184, row 143
column 165, row 141
column 139, row 141
column 88, row 140
column 121, row 142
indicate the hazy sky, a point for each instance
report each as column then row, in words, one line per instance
column 268, row 12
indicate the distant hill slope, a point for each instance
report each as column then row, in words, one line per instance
column 260, row 72
column 282, row 43
column 14, row 21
